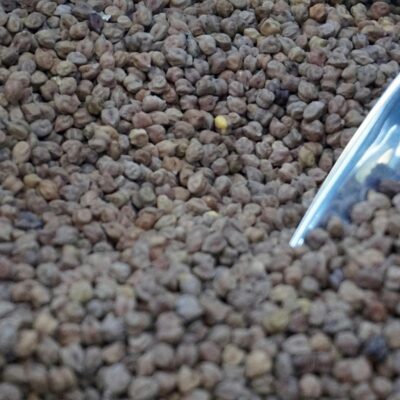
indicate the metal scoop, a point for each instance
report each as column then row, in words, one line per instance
column 371, row 156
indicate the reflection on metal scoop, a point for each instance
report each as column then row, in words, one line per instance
column 372, row 155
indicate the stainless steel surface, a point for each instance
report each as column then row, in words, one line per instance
column 375, row 147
